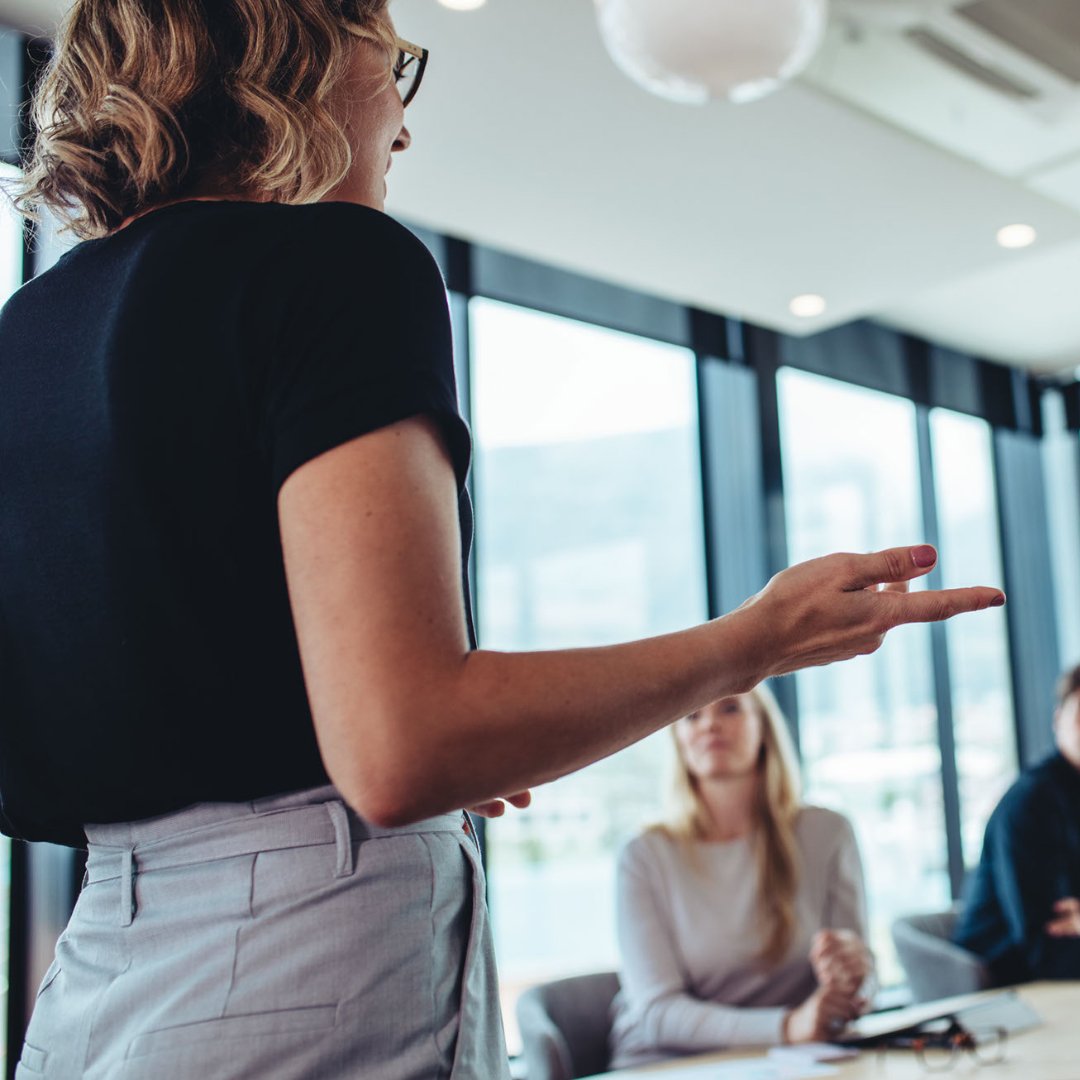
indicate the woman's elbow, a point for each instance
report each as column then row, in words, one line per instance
column 383, row 791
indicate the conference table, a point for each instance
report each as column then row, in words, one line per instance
column 1050, row 1051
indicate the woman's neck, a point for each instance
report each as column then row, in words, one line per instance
column 731, row 804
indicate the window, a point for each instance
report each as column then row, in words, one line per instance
column 868, row 727
column 589, row 531
column 11, row 243
column 1062, row 457
column 978, row 647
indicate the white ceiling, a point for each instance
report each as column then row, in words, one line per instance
column 527, row 139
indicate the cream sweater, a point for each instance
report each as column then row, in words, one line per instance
column 688, row 936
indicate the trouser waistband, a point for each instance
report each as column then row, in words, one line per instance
column 209, row 831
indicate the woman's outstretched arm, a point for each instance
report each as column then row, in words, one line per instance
column 411, row 723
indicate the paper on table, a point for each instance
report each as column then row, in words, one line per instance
column 809, row 1053
column 749, row 1069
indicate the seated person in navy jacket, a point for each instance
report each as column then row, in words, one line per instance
column 1023, row 910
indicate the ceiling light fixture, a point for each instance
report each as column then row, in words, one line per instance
column 463, row 5
column 1016, row 236
column 692, row 50
column 807, row 306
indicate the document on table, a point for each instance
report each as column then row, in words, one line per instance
column 810, row 1054
column 749, row 1069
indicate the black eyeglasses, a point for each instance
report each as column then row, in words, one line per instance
column 409, row 69
column 940, row 1050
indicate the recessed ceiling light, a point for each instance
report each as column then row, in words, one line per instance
column 463, row 5
column 807, row 306
column 1016, row 236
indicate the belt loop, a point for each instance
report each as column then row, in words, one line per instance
column 339, row 818
column 127, row 887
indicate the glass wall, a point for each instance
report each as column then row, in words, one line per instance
column 868, row 728
column 589, row 531
column 1061, row 455
column 970, row 552
column 11, row 244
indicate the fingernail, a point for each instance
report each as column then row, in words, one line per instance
column 923, row 556
column 998, row 601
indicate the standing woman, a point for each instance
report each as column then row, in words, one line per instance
column 741, row 921
column 234, row 644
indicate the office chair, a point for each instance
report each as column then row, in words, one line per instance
column 935, row 967
column 565, row 1026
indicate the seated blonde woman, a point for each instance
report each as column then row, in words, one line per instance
column 741, row 921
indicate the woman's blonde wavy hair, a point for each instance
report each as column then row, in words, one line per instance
column 779, row 798
column 149, row 101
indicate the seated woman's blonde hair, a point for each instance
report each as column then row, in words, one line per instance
column 779, row 799
column 149, row 101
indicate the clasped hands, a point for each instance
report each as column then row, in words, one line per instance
column 841, row 964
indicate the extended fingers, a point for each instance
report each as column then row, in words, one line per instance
column 1068, row 926
column 934, row 605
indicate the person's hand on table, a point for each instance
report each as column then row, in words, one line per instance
column 840, row 960
column 1066, row 920
column 822, row 1016
column 497, row 807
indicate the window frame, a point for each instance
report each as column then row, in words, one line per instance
column 737, row 358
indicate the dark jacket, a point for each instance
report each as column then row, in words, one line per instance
column 1030, row 860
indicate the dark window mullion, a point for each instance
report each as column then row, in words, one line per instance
column 711, row 536
column 761, row 352
column 939, row 649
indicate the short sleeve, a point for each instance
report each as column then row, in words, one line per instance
column 365, row 341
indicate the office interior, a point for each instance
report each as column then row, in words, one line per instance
column 660, row 426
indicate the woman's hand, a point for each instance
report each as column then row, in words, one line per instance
column 822, row 1016
column 840, row 960
column 497, row 807
column 842, row 606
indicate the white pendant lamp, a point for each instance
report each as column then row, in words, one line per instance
column 693, row 50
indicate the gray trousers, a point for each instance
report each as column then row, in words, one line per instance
column 285, row 939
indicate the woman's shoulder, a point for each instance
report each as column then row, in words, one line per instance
column 653, row 845
column 819, row 827
column 350, row 233
column 353, row 217
column 310, row 239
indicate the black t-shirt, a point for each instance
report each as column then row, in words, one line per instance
column 157, row 387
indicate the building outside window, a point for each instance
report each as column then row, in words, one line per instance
column 868, row 727
column 589, row 532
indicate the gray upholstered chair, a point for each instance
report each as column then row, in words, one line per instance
column 565, row 1026
column 935, row 967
